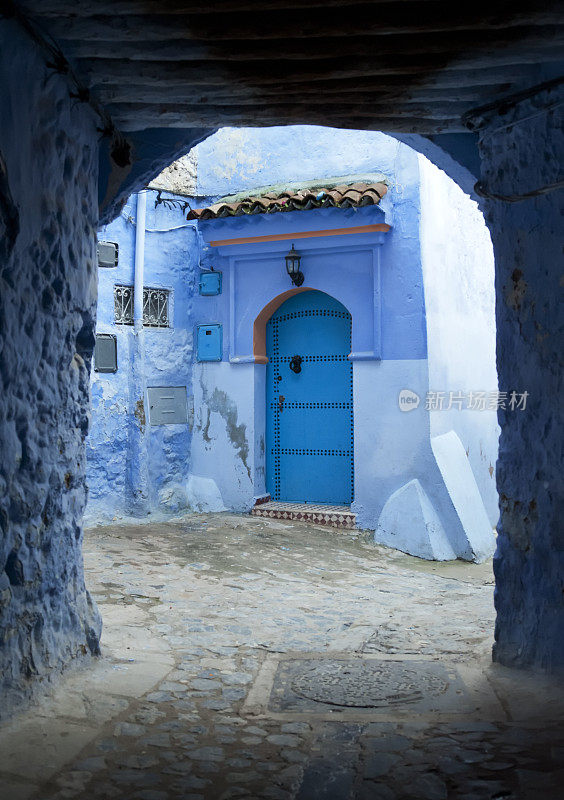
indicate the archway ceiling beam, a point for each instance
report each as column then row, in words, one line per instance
column 103, row 31
column 87, row 8
column 531, row 43
column 244, row 96
column 390, row 84
column 406, row 66
column 182, row 119
column 192, row 74
column 217, row 22
column 414, row 68
column 212, row 71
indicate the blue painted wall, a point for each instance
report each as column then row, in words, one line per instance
column 219, row 462
column 171, row 262
column 231, row 160
column 48, row 217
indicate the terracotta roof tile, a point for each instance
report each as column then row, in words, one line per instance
column 344, row 195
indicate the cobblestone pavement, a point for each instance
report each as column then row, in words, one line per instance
column 250, row 658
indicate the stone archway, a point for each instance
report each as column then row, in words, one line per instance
column 49, row 297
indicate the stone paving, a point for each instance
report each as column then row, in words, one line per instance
column 253, row 658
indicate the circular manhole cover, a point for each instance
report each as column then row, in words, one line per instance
column 367, row 684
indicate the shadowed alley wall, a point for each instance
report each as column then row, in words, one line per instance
column 527, row 238
column 48, row 217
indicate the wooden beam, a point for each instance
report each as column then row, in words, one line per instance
column 260, row 111
column 275, row 96
column 415, row 17
column 172, row 8
column 443, row 81
column 137, row 119
column 379, row 227
column 201, row 73
column 525, row 41
column 481, row 81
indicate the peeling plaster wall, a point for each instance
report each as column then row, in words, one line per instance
column 224, row 431
column 458, row 274
column 527, row 237
column 180, row 177
column 48, row 216
column 235, row 159
column 122, row 443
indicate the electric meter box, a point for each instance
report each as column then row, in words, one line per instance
column 108, row 253
column 105, row 353
column 209, row 342
column 210, row 283
column 167, row 405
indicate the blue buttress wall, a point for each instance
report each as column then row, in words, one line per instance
column 527, row 237
column 48, row 218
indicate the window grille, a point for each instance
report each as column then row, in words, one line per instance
column 155, row 306
column 123, row 304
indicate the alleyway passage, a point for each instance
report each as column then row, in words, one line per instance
column 251, row 658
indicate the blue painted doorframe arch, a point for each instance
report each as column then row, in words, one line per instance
column 309, row 414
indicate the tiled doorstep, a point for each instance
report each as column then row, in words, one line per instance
column 335, row 516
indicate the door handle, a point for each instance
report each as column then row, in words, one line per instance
column 281, row 399
column 296, row 364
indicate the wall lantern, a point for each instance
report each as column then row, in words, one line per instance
column 293, row 267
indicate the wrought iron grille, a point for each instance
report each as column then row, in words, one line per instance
column 123, row 305
column 155, row 306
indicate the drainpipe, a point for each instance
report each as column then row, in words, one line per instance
column 139, row 262
column 139, row 472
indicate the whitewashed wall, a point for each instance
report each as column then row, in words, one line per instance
column 458, row 276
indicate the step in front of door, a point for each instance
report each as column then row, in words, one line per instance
column 335, row 516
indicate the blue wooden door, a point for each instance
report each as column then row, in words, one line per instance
column 309, row 426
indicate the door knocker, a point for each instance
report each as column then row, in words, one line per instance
column 296, row 364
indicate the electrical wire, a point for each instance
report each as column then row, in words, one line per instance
column 167, row 230
column 130, row 219
column 505, row 103
column 480, row 190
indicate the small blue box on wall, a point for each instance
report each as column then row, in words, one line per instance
column 209, row 342
column 210, row 283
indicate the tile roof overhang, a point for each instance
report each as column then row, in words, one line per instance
column 329, row 195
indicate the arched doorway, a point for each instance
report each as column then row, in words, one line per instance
column 309, row 401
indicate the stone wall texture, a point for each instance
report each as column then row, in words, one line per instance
column 527, row 238
column 48, row 215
